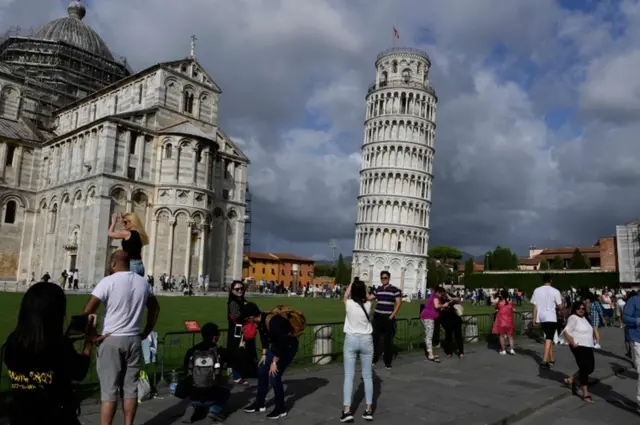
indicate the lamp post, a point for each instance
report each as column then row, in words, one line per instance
column 295, row 268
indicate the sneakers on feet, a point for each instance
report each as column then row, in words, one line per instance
column 503, row 353
column 367, row 415
column 387, row 366
column 511, row 352
column 253, row 408
column 277, row 414
column 189, row 412
column 346, row 416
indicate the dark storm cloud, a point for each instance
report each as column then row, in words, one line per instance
column 294, row 74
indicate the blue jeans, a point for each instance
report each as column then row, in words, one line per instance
column 137, row 266
column 217, row 404
column 354, row 345
column 276, row 381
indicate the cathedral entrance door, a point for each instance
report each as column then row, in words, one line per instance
column 72, row 261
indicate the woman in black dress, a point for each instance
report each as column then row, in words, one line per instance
column 245, row 356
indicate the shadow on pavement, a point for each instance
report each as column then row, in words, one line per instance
column 358, row 396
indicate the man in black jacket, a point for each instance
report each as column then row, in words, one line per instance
column 279, row 348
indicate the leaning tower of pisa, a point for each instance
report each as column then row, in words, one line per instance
column 392, row 227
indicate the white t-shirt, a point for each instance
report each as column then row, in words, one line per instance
column 605, row 301
column 546, row 298
column 356, row 321
column 620, row 303
column 124, row 297
column 580, row 330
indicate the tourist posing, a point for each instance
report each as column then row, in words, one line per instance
column 580, row 335
column 279, row 338
column 133, row 239
column 451, row 319
column 41, row 360
column 631, row 319
column 388, row 301
column 546, row 302
column 358, row 342
column 124, row 296
column 428, row 316
column 242, row 347
column 503, row 325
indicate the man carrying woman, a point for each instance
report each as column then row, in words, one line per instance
column 133, row 239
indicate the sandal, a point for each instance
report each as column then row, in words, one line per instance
column 571, row 385
column 587, row 399
column 434, row 359
column 240, row 382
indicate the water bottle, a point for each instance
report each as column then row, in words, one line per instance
column 173, row 383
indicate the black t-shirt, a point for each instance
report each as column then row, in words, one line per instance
column 133, row 246
column 41, row 383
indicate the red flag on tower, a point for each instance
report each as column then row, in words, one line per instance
column 396, row 34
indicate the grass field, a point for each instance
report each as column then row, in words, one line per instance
column 175, row 310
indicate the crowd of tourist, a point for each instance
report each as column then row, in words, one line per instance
column 42, row 362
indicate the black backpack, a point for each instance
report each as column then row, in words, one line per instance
column 204, row 368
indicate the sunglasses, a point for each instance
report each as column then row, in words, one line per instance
column 238, row 289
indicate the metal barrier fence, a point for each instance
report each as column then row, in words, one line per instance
column 409, row 337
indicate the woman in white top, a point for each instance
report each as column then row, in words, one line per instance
column 581, row 337
column 358, row 341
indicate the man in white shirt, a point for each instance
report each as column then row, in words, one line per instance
column 607, row 311
column 547, row 301
column 124, row 295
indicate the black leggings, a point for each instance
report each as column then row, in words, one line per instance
column 452, row 335
column 586, row 363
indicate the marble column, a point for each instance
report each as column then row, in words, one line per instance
column 201, row 242
column 224, row 251
column 177, row 164
column 207, row 169
column 172, row 224
column 194, row 165
column 140, row 145
column 18, row 164
column 3, row 158
column 402, row 273
column 151, row 249
column 125, row 162
column 187, row 261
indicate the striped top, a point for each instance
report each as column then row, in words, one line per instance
column 386, row 297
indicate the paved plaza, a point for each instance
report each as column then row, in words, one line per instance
column 484, row 388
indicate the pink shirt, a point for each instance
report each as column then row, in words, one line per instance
column 429, row 311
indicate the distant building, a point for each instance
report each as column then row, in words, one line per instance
column 278, row 267
column 628, row 236
column 602, row 255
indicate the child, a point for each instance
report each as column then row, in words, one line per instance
column 202, row 365
column 503, row 324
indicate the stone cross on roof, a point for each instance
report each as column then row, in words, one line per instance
column 192, row 50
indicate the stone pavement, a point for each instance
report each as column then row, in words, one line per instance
column 606, row 409
column 484, row 388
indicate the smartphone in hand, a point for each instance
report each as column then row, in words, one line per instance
column 79, row 324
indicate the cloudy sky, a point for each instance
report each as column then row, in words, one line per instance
column 538, row 119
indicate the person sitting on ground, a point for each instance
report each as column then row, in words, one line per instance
column 203, row 365
column 279, row 347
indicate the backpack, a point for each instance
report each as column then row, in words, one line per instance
column 296, row 318
column 204, row 368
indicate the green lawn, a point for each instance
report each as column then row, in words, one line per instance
column 175, row 310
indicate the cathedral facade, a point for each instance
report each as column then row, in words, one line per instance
column 82, row 137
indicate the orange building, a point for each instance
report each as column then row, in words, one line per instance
column 277, row 267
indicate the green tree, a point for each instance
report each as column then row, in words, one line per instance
column 324, row 270
column 515, row 261
column 342, row 272
column 437, row 274
column 557, row 263
column 544, row 265
column 577, row 261
column 502, row 259
column 469, row 266
column 445, row 253
column 488, row 260
column 587, row 261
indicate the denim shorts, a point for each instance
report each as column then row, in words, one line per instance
column 137, row 266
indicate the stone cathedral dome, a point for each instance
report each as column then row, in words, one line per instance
column 72, row 30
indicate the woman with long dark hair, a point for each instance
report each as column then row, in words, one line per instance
column 503, row 325
column 451, row 319
column 41, row 359
column 358, row 342
column 242, row 350
column 581, row 337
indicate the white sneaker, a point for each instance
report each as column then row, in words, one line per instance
column 513, row 353
column 503, row 353
column 597, row 346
